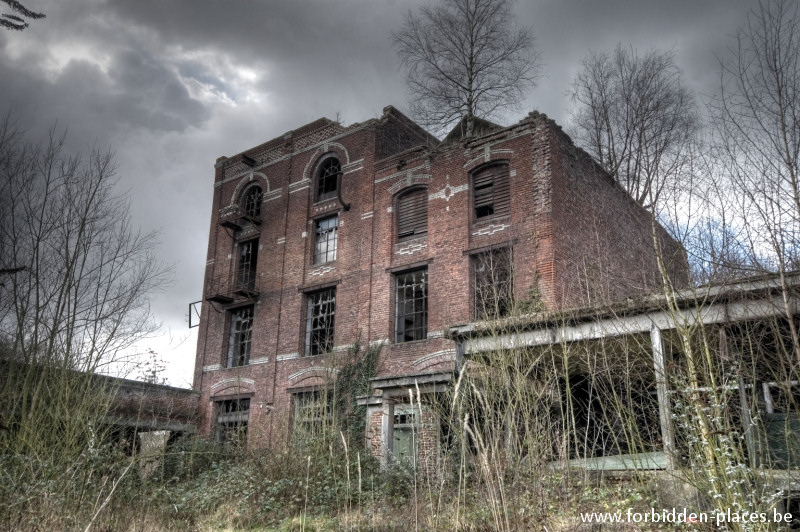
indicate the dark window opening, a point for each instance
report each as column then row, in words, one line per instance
column 412, row 214
column 252, row 202
column 241, row 333
column 411, row 306
column 490, row 191
column 610, row 418
column 325, row 239
column 246, row 271
column 320, row 322
column 232, row 417
column 791, row 505
column 328, row 179
column 312, row 412
column 493, row 283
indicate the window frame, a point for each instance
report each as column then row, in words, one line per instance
column 327, row 329
column 328, row 255
column 419, row 317
column 240, row 341
column 479, row 309
column 328, row 173
column 247, row 264
column 410, row 222
column 319, row 403
column 251, row 201
column 232, row 419
column 490, row 191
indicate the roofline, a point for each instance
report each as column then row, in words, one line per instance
column 716, row 303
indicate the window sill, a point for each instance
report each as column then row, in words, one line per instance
column 410, row 342
column 325, row 206
column 487, row 220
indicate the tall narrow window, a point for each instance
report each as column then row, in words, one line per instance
column 325, row 239
column 246, row 269
column 320, row 315
column 411, row 306
column 328, row 179
column 412, row 214
column 240, row 338
column 492, row 283
column 252, row 202
column 232, row 418
column 490, row 191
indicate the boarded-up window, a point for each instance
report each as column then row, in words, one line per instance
column 490, row 191
column 412, row 213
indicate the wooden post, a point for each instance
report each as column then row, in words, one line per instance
column 662, row 392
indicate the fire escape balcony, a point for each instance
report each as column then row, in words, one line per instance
column 235, row 218
column 225, row 290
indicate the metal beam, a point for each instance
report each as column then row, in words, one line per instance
column 641, row 323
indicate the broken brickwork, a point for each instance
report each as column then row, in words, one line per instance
column 372, row 233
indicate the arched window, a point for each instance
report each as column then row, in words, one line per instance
column 251, row 202
column 328, row 179
column 412, row 213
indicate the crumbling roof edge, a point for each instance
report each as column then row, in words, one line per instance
column 735, row 290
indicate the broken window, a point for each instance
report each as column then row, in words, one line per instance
column 319, row 321
column 490, row 191
column 312, row 412
column 493, row 283
column 246, row 270
column 411, row 306
column 412, row 213
column 241, row 332
column 325, row 239
column 252, row 202
column 328, row 179
column 232, row 416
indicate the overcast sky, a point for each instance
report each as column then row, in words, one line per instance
column 171, row 85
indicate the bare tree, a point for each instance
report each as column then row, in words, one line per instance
column 757, row 122
column 634, row 115
column 75, row 294
column 16, row 21
column 465, row 58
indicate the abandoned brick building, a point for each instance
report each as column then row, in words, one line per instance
column 380, row 234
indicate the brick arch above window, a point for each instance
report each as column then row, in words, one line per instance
column 491, row 194
column 412, row 213
column 254, row 178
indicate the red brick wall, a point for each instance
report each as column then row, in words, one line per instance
column 604, row 250
column 566, row 218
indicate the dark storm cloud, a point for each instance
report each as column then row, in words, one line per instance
column 172, row 85
column 136, row 91
column 150, row 95
column 325, row 56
